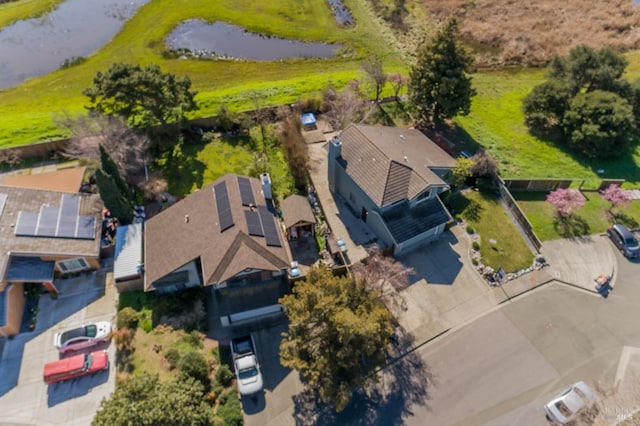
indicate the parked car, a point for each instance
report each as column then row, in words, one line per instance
column 567, row 406
column 624, row 240
column 82, row 337
column 245, row 364
column 75, row 366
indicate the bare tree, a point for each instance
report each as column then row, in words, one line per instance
column 344, row 108
column 398, row 82
column 374, row 69
column 154, row 187
column 385, row 275
column 10, row 156
column 128, row 147
column 484, row 164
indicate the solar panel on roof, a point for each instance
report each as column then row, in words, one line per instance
column 253, row 223
column 246, row 193
column 86, row 229
column 224, row 207
column 70, row 205
column 48, row 221
column 26, row 225
column 67, row 226
column 269, row 227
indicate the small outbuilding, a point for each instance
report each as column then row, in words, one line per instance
column 298, row 217
column 127, row 267
column 308, row 121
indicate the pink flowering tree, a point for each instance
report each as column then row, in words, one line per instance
column 617, row 196
column 566, row 201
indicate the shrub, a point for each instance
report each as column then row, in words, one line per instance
column 193, row 339
column 230, row 409
column 173, row 357
column 127, row 318
column 475, row 245
column 474, row 261
column 224, row 375
column 458, row 218
column 470, row 229
column 195, row 365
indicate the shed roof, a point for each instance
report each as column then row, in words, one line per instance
column 67, row 180
column 128, row 252
column 296, row 210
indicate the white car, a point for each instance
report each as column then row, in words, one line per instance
column 567, row 406
column 82, row 337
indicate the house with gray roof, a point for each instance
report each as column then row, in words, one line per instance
column 390, row 178
column 43, row 233
column 225, row 237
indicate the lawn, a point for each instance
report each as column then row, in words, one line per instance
column 29, row 110
column 17, row 10
column 496, row 123
column 592, row 218
column 191, row 166
column 486, row 216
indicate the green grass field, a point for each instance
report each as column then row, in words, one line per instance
column 592, row 218
column 485, row 215
column 28, row 111
column 17, row 10
column 496, row 123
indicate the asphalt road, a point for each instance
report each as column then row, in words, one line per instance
column 502, row 368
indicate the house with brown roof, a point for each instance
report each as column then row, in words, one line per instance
column 226, row 237
column 43, row 233
column 390, row 178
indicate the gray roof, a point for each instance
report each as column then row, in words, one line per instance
column 391, row 164
column 32, row 200
column 296, row 210
column 128, row 252
column 171, row 241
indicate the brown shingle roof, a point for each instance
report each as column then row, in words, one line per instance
column 171, row 242
column 296, row 210
column 390, row 163
column 31, row 200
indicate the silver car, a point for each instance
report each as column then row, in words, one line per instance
column 567, row 406
column 82, row 337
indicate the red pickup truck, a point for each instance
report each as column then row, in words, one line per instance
column 75, row 366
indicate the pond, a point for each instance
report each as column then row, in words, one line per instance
column 77, row 28
column 220, row 39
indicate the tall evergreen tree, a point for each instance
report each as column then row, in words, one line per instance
column 110, row 168
column 439, row 83
column 338, row 331
column 113, row 198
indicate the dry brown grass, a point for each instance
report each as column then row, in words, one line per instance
column 530, row 32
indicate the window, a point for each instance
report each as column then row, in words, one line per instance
column 424, row 195
column 72, row 265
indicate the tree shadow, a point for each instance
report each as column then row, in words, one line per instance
column 571, row 226
column 625, row 219
column 401, row 384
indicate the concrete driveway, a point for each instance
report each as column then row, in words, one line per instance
column 24, row 397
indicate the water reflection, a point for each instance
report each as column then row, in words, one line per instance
column 224, row 40
column 35, row 47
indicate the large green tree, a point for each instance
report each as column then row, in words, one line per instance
column 146, row 96
column 145, row 400
column 439, row 82
column 585, row 102
column 599, row 124
column 338, row 331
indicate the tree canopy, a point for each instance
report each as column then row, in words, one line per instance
column 586, row 103
column 439, row 82
column 146, row 97
column 338, row 331
column 145, row 400
column 566, row 201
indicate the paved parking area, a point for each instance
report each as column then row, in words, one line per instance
column 24, row 398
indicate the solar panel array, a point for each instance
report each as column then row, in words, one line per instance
column 253, row 223
column 57, row 222
column 269, row 227
column 223, row 205
column 246, row 193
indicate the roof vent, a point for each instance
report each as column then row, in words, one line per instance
column 401, row 136
column 406, row 159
